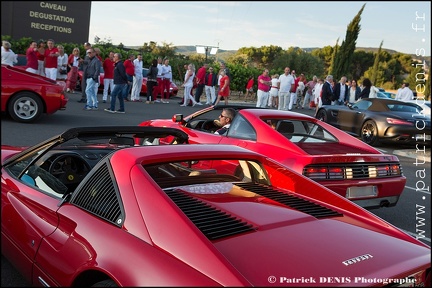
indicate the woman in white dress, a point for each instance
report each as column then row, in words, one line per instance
column 188, row 84
column 317, row 94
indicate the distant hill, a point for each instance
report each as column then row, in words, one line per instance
column 191, row 49
column 225, row 54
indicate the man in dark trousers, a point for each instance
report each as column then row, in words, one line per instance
column 211, row 80
column 327, row 91
column 120, row 84
column 200, row 76
column 84, row 64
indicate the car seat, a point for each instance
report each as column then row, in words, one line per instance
column 286, row 128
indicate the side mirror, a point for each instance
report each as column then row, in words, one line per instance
column 177, row 118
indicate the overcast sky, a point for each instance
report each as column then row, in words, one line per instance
column 231, row 25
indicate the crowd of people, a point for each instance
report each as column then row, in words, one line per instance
column 215, row 86
column 289, row 91
column 123, row 78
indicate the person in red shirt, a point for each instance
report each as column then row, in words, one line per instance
column 32, row 60
column 130, row 71
column 224, row 90
column 249, row 88
column 108, row 66
column 264, row 85
column 200, row 82
column 51, row 55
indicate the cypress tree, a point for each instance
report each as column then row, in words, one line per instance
column 375, row 65
column 333, row 57
column 343, row 57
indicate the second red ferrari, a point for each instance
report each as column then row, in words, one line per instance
column 311, row 147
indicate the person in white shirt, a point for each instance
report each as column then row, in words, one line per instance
column 274, row 91
column 317, row 93
column 157, row 89
column 404, row 93
column 285, row 82
column 137, row 79
column 8, row 57
column 373, row 92
column 166, row 83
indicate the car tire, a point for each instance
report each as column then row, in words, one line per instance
column 105, row 283
column 369, row 133
column 321, row 115
column 25, row 107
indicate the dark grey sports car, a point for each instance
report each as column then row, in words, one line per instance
column 377, row 120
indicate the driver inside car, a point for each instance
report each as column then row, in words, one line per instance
column 225, row 120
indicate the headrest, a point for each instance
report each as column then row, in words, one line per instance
column 285, row 127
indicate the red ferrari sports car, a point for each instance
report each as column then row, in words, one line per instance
column 310, row 147
column 88, row 208
column 173, row 86
column 25, row 96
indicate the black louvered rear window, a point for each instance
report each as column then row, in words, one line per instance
column 297, row 203
column 213, row 223
column 98, row 196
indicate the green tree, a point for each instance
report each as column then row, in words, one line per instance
column 261, row 57
column 301, row 61
column 240, row 59
column 325, row 54
column 417, row 77
column 360, row 62
column 373, row 76
column 393, row 68
column 344, row 55
column 427, row 92
column 333, row 58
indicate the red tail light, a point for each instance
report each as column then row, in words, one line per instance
column 399, row 122
column 363, row 171
column 318, row 173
